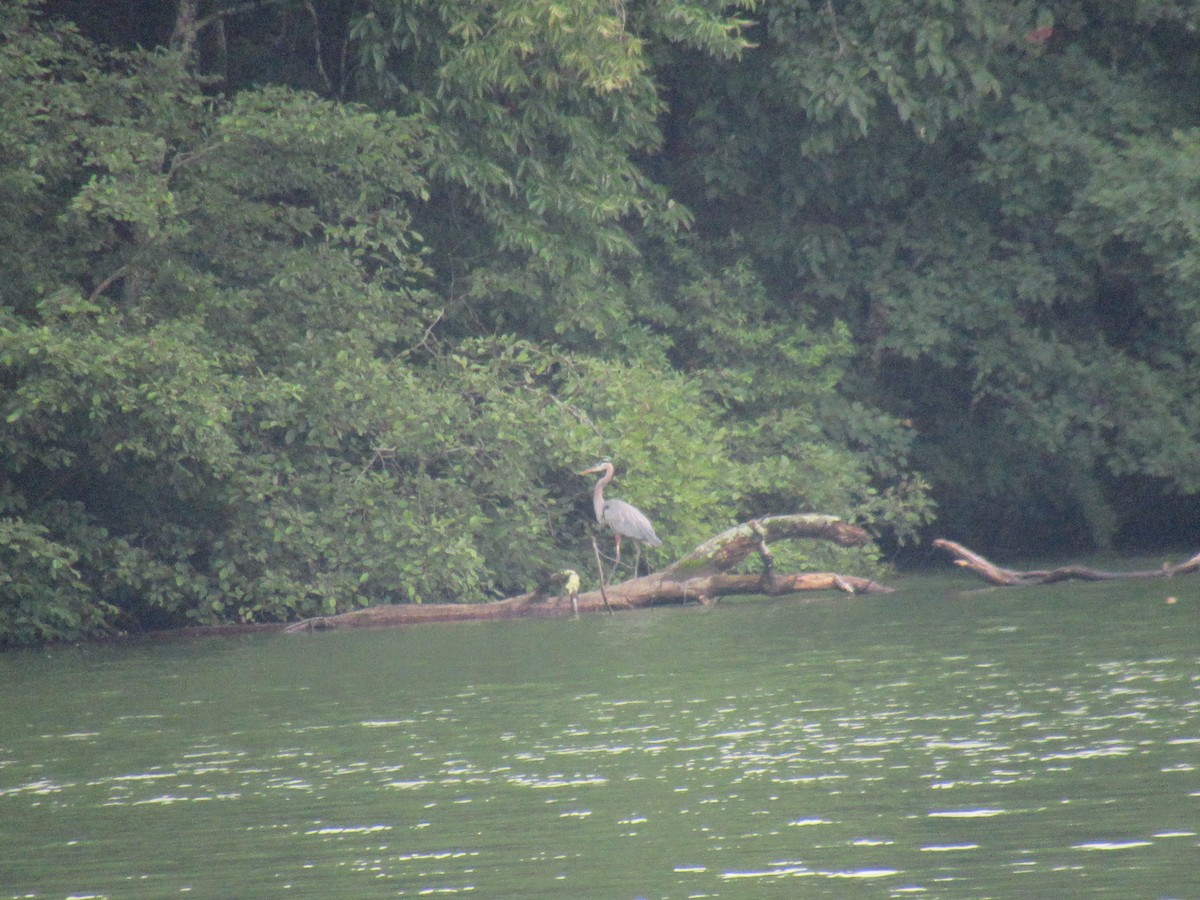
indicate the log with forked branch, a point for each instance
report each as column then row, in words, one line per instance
column 699, row 577
column 995, row 574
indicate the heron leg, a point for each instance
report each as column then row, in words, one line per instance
column 637, row 562
column 617, row 564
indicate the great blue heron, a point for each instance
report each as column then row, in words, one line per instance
column 625, row 519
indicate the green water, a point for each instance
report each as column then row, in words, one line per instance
column 940, row 742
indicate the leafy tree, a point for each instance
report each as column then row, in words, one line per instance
column 996, row 200
column 267, row 355
column 546, row 221
column 541, row 109
column 195, row 274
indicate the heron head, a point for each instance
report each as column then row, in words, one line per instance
column 601, row 465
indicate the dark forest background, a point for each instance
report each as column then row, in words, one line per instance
column 306, row 306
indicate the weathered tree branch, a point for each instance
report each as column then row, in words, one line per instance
column 699, row 577
column 189, row 24
column 998, row 575
column 729, row 548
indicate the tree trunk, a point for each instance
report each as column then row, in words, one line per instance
column 699, row 577
column 187, row 27
column 995, row 574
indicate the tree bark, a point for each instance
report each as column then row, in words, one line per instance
column 699, row 577
column 994, row 574
column 187, row 27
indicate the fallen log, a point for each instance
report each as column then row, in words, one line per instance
column 998, row 575
column 699, row 577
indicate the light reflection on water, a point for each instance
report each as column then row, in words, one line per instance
column 1016, row 744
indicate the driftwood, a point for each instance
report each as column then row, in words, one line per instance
column 699, row 577
column 998, row 575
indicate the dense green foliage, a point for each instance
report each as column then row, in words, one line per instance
column 995, row 198
column 287, row 333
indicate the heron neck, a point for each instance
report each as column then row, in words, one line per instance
column 598, row 496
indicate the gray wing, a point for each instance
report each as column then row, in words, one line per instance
column 626, row 519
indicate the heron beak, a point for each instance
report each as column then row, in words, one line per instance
column 592, row 470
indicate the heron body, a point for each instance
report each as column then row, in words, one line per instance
column 625, row 519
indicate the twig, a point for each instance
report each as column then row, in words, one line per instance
column 836, row 33
column 600, row 566
column 422, row 343
column 107, row 283
column 220, row 14
column 312, row 12
column 382, row 454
